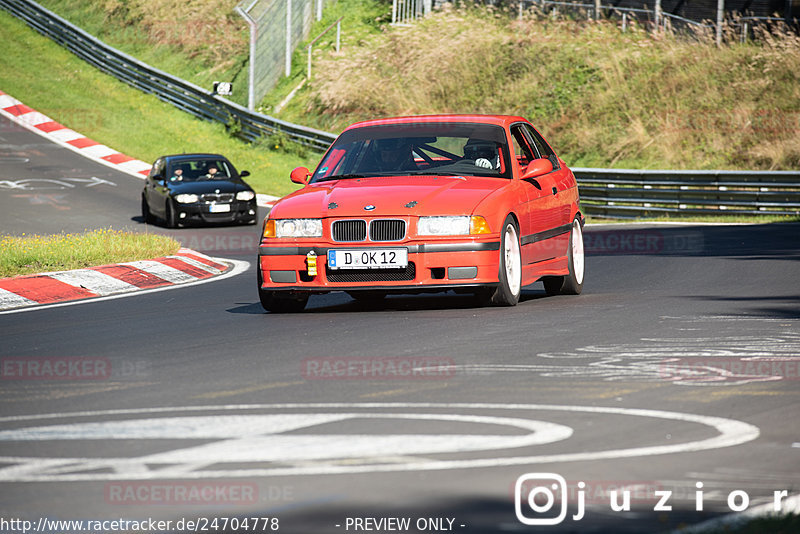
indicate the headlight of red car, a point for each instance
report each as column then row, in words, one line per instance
column 452, row 225
column 293, row 228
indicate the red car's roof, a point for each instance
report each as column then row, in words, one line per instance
column 500, row 120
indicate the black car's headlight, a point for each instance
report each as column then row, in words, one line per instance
column 186, row 198
column 245, row 195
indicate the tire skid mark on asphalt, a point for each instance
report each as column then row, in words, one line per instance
column 735, row 359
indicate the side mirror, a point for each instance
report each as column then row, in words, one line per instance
column 300, row 175
column 244, row 174
column 158, row 178
column 537, row 168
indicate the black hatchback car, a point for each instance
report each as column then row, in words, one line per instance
column 207, row 188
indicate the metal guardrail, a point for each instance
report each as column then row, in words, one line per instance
column 623, row 193
column 203, row 104
column 604, row 192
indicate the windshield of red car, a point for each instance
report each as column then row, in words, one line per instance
column 439, row 149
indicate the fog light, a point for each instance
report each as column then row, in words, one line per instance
column 311, row 261
column 182, row 215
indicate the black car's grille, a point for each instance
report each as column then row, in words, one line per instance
column 371, row 275
column 379, row 230
column 387, row 230
column 351, row 230
column 217, row 197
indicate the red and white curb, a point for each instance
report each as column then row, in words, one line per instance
column 58, row 133
column 39, row 123
column 185, row 267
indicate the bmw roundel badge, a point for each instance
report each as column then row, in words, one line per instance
column 369, row 207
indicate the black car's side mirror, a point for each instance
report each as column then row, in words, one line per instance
column 244, row 174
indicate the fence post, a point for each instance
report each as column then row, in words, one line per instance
column 720, row 16
column 251, row 91
column 288, row 56
column 658, row 13
column 597, row 9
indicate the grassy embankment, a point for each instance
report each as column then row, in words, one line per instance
column 602, row 97
column 50, row 79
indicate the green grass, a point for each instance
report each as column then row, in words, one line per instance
column 35, row 254
column 48, row 78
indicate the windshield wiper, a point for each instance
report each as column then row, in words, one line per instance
column 339, row 177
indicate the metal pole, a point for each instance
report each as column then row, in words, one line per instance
column 394, row 11
column 658, row 12
column 338, row 35
column 288, row 56
column 319, row 9
column 251, row 96
column 596, row 9
column 720, row 16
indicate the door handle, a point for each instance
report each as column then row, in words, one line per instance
column 555, row 191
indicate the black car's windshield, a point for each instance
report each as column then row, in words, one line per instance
column 199, row 169
column 441, row 148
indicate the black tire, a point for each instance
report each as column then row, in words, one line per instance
column 367, row 295
column 281, row 301
column 510, row 272
column 572, row 283
column 147, row 216
column 169, row 216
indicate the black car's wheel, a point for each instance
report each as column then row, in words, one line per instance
column 146, row 215
column 572, row 283
column 510, row 273
column 169, row 216
column 281, row 301
column 371, row 295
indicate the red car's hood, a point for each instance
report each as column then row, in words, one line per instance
column 391, row 196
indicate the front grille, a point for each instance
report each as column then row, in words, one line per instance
column 217, row 197
column 387, row 230
column 370, row 275
column 350, row 230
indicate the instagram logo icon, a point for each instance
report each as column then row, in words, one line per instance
column 535, row 496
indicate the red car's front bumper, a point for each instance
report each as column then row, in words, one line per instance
column 439, row 264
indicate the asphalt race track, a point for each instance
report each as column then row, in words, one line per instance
column 676, row 371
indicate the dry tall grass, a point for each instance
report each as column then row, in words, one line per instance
column 602, row 97
column 207, row 30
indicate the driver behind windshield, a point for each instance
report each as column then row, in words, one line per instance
column 395, row 155
column 483, row 153
column 212, row 172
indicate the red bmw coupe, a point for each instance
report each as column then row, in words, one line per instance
column 472, row 203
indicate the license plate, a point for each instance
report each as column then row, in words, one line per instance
column 374, row 258
column 219, row 208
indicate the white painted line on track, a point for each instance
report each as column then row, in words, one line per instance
column 789, row 505
column 731, row 432
column 239, row 267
